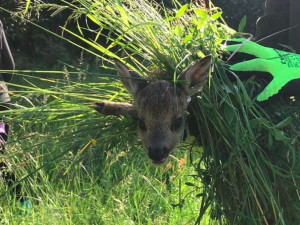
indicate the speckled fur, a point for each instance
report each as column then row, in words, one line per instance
column 158, row 105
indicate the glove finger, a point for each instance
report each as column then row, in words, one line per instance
column 271, row 89
column 261, row 65
column 251, row 48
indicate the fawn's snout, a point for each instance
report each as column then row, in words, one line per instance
column 158, row 155
column 161, row 140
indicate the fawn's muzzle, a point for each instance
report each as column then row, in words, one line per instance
column 158, row 155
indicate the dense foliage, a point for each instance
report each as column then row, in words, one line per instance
column 22, row 35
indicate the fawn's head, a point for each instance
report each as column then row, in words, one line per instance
column 160, row 106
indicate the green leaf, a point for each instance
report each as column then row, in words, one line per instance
column 284, row 123
column 216, row 15
column 190, row 139
column 181, row 11
column 27, row 6
column 79, row 28
column 201, row 12
column 92, row 18
column 242, row 24
column 200, row 54
column 279, row 136
column 187, row 38
column 170, row 18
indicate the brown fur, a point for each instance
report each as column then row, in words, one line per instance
column 158, row 105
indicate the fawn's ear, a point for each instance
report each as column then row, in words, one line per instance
column 131, row 80
column 196, row 75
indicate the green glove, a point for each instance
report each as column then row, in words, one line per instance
column 283, row 66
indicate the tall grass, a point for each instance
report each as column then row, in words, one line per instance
column 246, row 171
column 79, row 168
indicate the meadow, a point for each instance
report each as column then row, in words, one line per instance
column 76, row 169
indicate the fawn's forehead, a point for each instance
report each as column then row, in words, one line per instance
column 160, row 99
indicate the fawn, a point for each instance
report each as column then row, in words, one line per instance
column 159, row 106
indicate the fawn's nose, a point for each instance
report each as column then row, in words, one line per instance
column 158, row 155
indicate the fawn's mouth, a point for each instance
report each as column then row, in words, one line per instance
column 160, row 162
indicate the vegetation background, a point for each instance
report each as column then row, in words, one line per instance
column 71, row 172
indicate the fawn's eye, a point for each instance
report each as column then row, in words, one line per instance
column 142, row 125
column 176, row 125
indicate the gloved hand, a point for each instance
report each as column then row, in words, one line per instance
column 283, row 66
